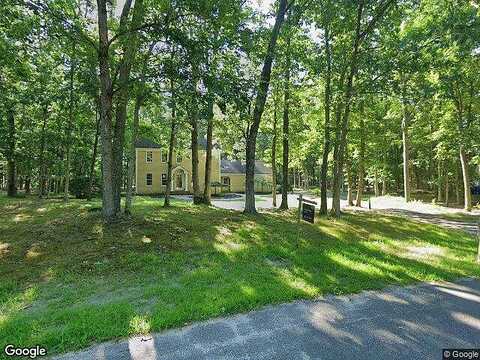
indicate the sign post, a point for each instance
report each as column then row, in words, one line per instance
column 306, row 211
column 300, row 200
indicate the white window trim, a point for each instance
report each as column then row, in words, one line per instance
column 146, row 179
column 146, row 156
column 161, row 156
column 166, row 179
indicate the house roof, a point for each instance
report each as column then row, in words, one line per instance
column 238, row 167
column 147, row 144
column 202, row 143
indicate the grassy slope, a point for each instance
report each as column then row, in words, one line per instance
column 67, row 280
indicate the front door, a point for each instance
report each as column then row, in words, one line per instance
column 179, row 180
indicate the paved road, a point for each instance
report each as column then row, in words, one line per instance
column 471, row 227
column 398, row 323
column 237, row 201
column 430, row 213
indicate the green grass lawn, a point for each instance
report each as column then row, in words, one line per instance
column 461, row 217
column 68, row 280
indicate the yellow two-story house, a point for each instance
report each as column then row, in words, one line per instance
column 151, row 164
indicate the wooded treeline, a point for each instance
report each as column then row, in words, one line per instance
column 334, row 94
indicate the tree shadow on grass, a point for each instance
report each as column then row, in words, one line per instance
column 182, row 264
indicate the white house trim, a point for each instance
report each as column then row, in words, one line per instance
column 185, row 172
column 146, row 157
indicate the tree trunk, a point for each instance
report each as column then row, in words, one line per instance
column 131, row 156
column 171, row 144
column 48, row 183
column 457, row 184
column 71, row 121
column 131, row 168
column 406, row 154
column 208, row 159
column 375, row 184
column 361, row 161
column 11, row 163
column 194, row 145
column 106, row 98
column 274, row 155
column 439, row 181
column 94, row 154
column 446, row 188
column 258, row 111
column 349, row 180
column 28, row 184
column 194, row 117
column 130, row 50
column 112, row 143
column 286, row 125
column 326, row 139
column 466, row 180
column 342, row 141
column 338, row 117
column 42, row 182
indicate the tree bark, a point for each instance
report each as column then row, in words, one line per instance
column 106, row 98
column 361, row 162
column 258, row 111
column 406, row 153
column 28, row 184
column 194, row 117
column 130, row 50
column 131, row 155
column 42, row 182
column 11, row 163
column 342, row 141
column 94, row 153
column 348, row 169
column 71, row 121
column 466, row 179
column 171, row 144
column 457, row 184
column 274, row 154
column 360, row 36
column 447, row 185
column 375, row 184
column 439, row 181
column 208, row 159
column 131, row 168
column 286, row 125
column 194, row 144
column 326, row 138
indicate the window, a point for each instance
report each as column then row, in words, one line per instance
column 164, row 156
column 179, row 159
column 164, row 179
column 149, row 179
column 149, row 157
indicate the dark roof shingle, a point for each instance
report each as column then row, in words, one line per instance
column 238, row 167
column 146, row 144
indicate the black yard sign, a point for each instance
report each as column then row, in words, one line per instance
column 308, row 213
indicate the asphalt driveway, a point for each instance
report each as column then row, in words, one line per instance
column 415, row 322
